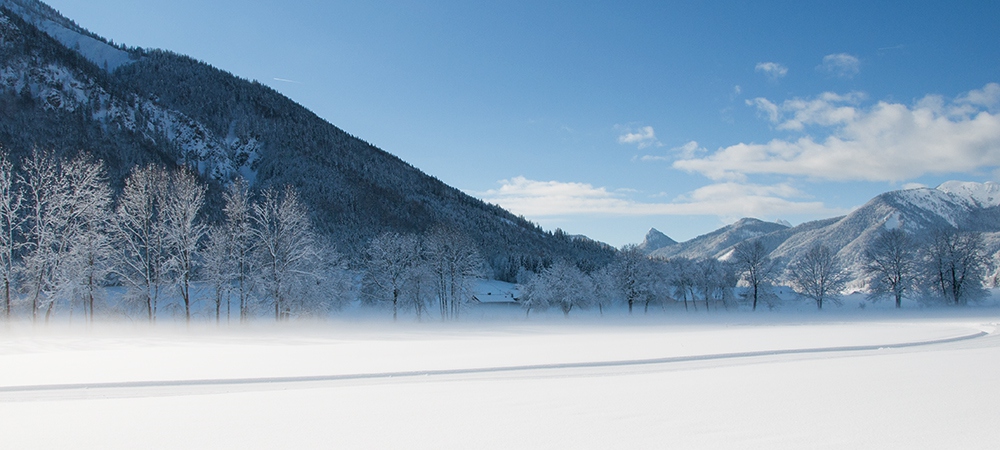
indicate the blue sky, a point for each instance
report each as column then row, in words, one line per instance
column 608, row 118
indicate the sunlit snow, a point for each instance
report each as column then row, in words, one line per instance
column 664, row 380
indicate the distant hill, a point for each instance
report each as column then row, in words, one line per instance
column 655, row 240
column 962, row 205
column 719, row 242
column 65, row 89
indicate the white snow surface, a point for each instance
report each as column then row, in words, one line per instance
column 981, row 194
column 931, row 396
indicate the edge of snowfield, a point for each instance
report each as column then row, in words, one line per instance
column 69, row 387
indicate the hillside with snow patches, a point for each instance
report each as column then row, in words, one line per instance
column 963, row 205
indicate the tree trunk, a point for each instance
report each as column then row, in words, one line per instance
column 395, row 298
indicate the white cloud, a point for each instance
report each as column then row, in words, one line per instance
column 685, row 151
column 766, row 108
column 730, row 200
column 988, row 97
column 772, row 70
column 883, row 142
column 828, row 110
column 841, row 65
column 643, row 137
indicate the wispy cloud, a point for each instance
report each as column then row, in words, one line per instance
column 882, row 142
column 841, row 65
column 773, row 70
column 642, row 137
column 685, row 151
column 726, row 200
column 285, row 80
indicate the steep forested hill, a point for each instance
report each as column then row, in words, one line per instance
column 129, row 107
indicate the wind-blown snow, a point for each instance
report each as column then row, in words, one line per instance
column 931, row 396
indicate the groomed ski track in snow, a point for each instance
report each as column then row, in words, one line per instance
column 285, row 381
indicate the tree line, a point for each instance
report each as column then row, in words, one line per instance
column 66, row 239
column 950, row 267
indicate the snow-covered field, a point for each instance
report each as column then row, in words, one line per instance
column 617, row 382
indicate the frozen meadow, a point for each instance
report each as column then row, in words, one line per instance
column 838, row 378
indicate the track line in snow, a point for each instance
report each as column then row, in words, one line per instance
column 235, row 382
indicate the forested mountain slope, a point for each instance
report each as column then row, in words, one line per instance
column 157, row 106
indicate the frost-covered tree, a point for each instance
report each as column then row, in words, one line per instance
column 604, row 294
column 634, row 274
column 420, row 289
column 715, row 281
column 88, row 248
column 818, row 275
column 180, row 207
column 67, row 205
column 530, row 293
column 140, row 233
column 454, row 263
column 11, row 199
column 390, row 260
column 286, row 247
column 890, row 265
column 238, row 226
column 756, row 268
column 682, row 279
column 217, row 268
column 955, row 266
column 43, row 183
column 565, row 286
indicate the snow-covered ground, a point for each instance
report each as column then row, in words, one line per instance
column 617, row 382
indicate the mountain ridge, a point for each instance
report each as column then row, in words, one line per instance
column 960, row 205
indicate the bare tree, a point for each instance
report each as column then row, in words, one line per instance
column 286, row 246
column 756, row 268
column 563, row 285
column 890, row 264
column 715, row 281
column 140, row 235
column 604, row 287
column 818, row 275
column 68, row 206
column 391, row 257
column 43, row 184
column 455, row 264
column 238, row 227
column 682, row 279
column 87, row 245
column 632, row 269
column 11, row 199
column 180, row 207
column 956, row 266
column 217, row 268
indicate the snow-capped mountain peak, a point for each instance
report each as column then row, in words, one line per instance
column 981, row 194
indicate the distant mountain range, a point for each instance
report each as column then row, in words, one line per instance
column 962, row 205
column 65, row 89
